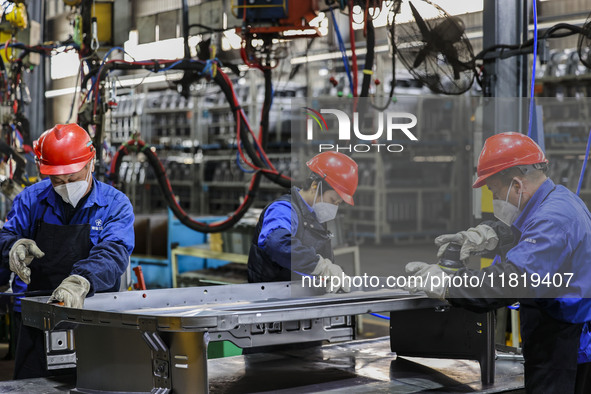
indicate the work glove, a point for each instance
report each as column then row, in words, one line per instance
column 71, row 292
column 475, row 239
column 430, row 278
column 20, row 256
column 326, row 269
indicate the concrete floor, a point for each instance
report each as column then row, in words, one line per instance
column 6, row 365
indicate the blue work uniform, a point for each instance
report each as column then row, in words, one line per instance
column 552, row 235
column 93, row 240
column 288, row 237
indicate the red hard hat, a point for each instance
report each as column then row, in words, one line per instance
column 339, row 170
column 37, row 144
column 64, row 149
column 505, row 150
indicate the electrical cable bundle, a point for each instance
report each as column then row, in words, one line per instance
column 354, row 69
column 246, row 141
column 343, row 50
column 503, row 51
column 172, row 202
column 351, row 71
column 369, row 58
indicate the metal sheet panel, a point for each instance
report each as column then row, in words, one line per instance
column 219, row 308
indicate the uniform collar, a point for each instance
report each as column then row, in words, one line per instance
column 296, row 190
column 93, row 198
column 534, row 202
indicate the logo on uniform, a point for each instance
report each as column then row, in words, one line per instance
column 99, row 225
column 391, row 125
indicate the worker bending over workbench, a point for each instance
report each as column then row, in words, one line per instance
column 550, row 234
column 291, row 233
column 70, row 235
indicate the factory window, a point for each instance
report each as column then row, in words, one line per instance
column 64, row 64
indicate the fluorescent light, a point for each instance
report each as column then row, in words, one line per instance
column 64, row 64
column 166, row 49
column 302, row 32
column 455, row 7
column 61, row 92
column 336, row 55
column 385, row 48
column 153, row 79
column 231, row 40
column 427, row 11
column 120, row 83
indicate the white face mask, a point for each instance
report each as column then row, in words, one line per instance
column 505, row 211
column 325, row 211
column 73, row 192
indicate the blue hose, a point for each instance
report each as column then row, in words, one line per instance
column 170, row 66
column 533, row 72
column 243, row 169
column 110, row 51
column 342, row 49
column 380, row 316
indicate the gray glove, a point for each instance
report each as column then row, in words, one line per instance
column 429, row 278
column 475, row 239
column 20, row 256
column 71, row 292
column 326, row 268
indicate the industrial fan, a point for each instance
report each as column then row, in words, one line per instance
column 433, row 47
column 584, row 47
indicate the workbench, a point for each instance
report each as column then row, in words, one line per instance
column 160, row 337
column 365, row 366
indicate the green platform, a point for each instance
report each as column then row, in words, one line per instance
column 222, row 349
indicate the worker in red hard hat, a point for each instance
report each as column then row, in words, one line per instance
column 543, row 230
column 291, row 234
column 69, row 235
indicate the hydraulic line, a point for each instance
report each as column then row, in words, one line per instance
column 171, row 200
column 252, row 148
column 353, row 53
column 532, row 104
column 186, row 27
column 342, row 49
column 369, row 58
column 391, row 34
column 255, row 151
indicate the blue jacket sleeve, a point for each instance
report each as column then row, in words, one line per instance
column 544, row 248
column 277, row 241
column 289, row 252
column 18, row 225
column 277, row 215
column 109, row 258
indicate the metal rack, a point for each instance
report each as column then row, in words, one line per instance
column 195, row 138
column 161, row 335
column 567, row 123
column 418, row 193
